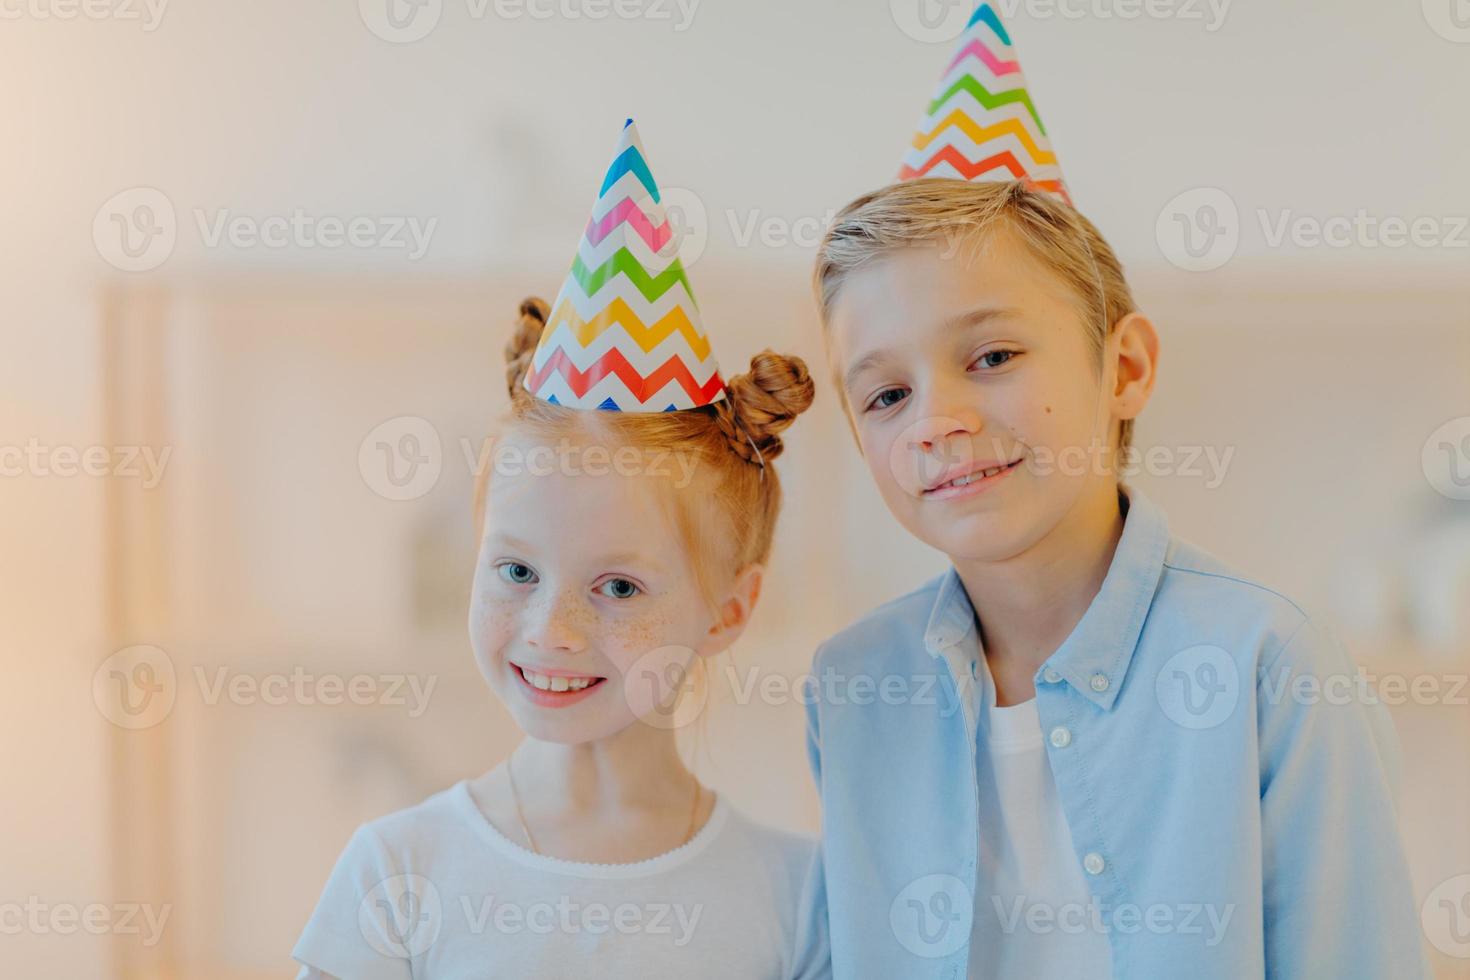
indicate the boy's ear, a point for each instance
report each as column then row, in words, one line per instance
column 734, row 611
column 1136, row 345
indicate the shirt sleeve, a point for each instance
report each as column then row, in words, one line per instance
column 813, row 956
column 1337, row 896
column 368, row 922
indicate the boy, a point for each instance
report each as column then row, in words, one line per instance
column 1113, row 780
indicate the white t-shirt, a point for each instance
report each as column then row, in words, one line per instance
column 1033, row 914
column 435, row 891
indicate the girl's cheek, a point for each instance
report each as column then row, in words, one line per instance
column 492, row 621
column 630, row 638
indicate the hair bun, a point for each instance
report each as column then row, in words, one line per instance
column 522, row 345
column 765, row 401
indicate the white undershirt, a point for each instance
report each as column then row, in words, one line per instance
column 1033, row 914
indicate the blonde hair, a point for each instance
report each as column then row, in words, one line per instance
column 732, row 441
column 923, row 212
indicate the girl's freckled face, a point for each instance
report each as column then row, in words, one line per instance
column 582, row 575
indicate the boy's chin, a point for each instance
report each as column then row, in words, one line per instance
column 979, row 538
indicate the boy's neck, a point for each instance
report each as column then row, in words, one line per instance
column 1029, row 604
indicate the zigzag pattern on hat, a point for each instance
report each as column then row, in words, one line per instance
column 625, row 332
column 981, row 123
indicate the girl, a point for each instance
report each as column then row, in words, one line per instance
column 619, row 542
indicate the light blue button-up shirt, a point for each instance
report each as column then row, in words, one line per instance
column 1227, row 786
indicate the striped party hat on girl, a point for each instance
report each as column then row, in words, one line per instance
column 624, row 334
column 981, row 124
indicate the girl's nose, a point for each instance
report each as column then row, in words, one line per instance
column 556, row 623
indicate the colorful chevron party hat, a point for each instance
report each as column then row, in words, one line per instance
column 981, row 124
column 624, row 333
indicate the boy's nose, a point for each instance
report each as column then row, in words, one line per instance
column 947, row 409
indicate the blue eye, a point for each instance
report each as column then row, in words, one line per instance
column 1004, row 355
column 619, row 588
column 516, row 573
column 887, row 398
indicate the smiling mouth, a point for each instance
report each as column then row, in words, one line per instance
column 974, row 477
column 557, row 684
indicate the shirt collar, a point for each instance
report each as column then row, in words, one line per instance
column 1095, row 657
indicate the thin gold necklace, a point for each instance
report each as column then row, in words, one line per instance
column 515, row 798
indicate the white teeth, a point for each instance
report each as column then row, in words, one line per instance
column 969, row 478
column 555, row 684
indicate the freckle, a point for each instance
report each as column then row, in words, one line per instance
column 1048, row 409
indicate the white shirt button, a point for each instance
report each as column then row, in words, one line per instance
column 1051, row 676
column 1099, row 682
column 1061, row 737
column 1094, row 863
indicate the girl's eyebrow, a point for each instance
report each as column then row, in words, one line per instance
column 627, row 558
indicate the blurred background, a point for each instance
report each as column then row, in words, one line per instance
column 259, row 261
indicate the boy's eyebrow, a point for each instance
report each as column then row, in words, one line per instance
column 868, row 360
column 959, row 321
column 978, row 316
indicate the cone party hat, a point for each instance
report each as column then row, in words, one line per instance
column 981, row 124
column 624, row 334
